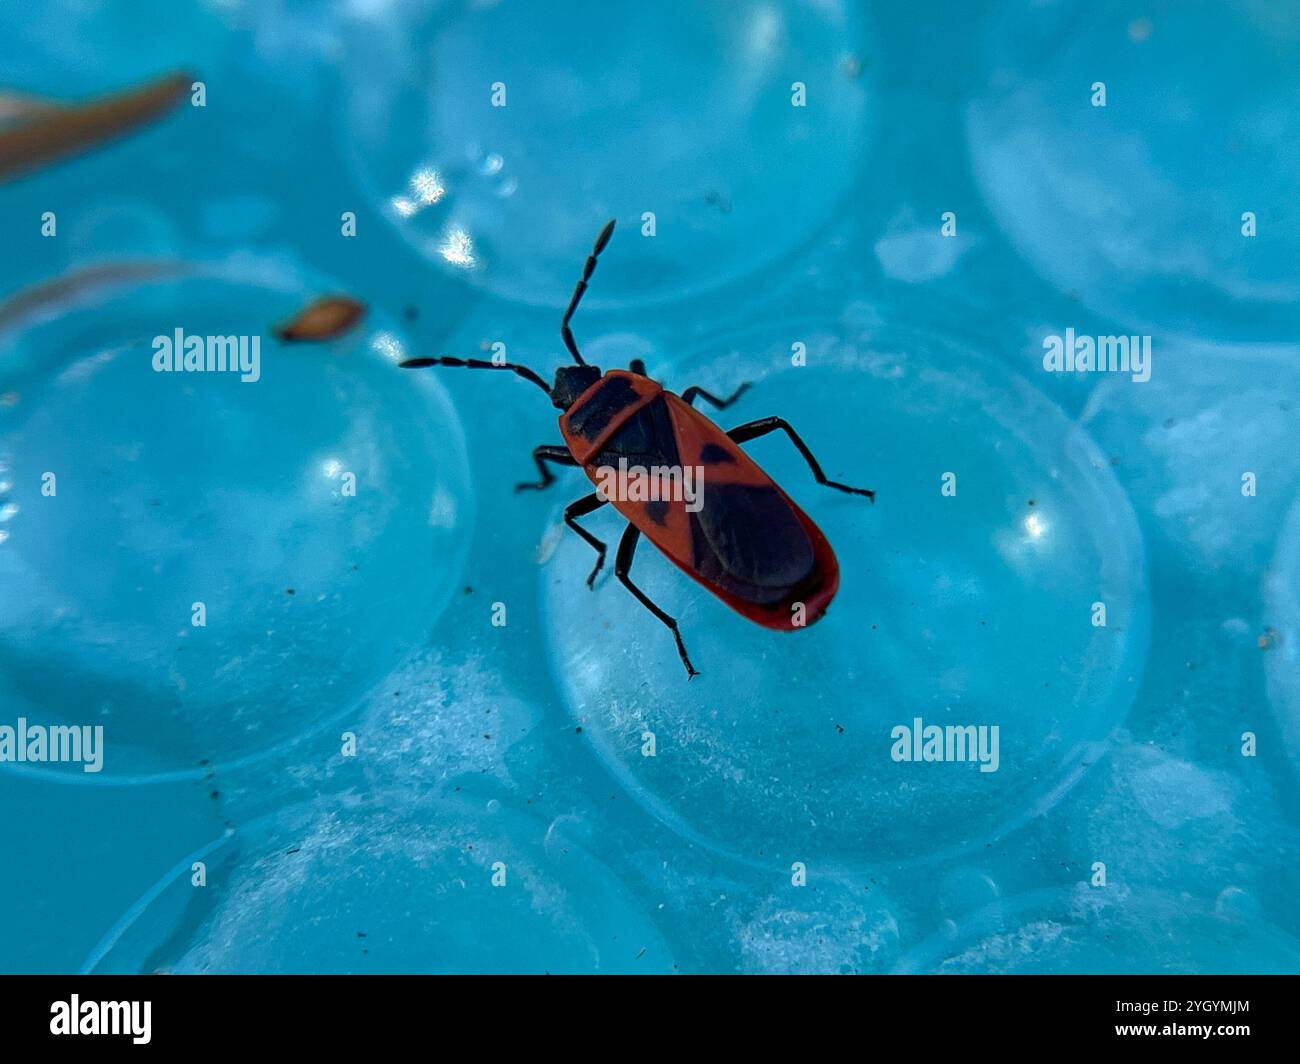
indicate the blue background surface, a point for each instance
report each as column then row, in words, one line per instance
column 522, row 744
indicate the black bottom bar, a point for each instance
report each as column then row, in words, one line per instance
column 336, row 1013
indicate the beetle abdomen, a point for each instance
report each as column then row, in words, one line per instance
column 748, row 541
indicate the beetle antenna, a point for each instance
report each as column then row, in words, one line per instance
column 477, row 363
column 581, row 288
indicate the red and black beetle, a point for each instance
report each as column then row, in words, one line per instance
column 749, row 543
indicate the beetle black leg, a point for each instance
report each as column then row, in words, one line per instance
column 761, row 427
column 565, row 332
column 541, row 455
column 581, row 508
column 693, row 393
column 477, row 363
column 636, row 366
column 622, row 564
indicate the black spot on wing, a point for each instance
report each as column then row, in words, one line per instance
column 646, row 439
column 749, row 542
column 712, row 454
column 594, row 416
column 657, row 511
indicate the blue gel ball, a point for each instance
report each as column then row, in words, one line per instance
column 522, row 128
column 355, row 887
column 1113, row 930
column 1281, row 640
column 210, row 567
column 828, row 926
column 975, row 608
column 1140, row 207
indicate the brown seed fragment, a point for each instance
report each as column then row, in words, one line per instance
column 53, row 132
column 324, row 319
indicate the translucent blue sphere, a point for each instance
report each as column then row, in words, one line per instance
column 208, row 566
column 1115, row 930
column 1139, row 207
column 1281, row 640
column 467, row 125
column 360, row 886
column 973, row 608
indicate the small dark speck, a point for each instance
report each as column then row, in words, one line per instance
column 289, row 591
column 1031, row 502
column 361, row 934
column 469, row 590
column 293, row 849
column 640, row 955
column 215, row 795
column 155, row 502
column 714, row 199
column 411, row 313
column 840, row 728
column 578, row 729
column 204, row 761
column 365, row 953
column 486, row 735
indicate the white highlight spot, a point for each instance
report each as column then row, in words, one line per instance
column 388, row 345
column 458, row 248
column 427, row 186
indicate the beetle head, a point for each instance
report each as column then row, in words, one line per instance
column 571, row 382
